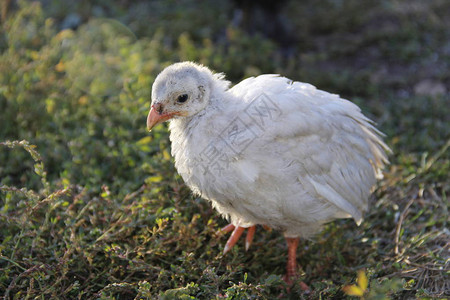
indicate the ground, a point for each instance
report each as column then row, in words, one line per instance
column 91, row 205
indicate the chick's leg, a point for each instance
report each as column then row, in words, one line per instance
column 291, row 268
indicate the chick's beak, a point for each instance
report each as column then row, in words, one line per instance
column 156, row 116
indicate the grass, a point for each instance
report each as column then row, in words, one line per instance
column 91, row 206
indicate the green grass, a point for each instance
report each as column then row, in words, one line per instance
column 95, row 210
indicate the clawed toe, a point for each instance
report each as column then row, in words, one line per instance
column 226, row 229
column 249, row 237
column 236, row 234
column 234, row 237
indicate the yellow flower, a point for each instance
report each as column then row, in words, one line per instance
column 360, row 288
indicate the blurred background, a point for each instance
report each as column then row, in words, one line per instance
column 75, row 81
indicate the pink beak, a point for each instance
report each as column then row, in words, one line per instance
column 154, row 117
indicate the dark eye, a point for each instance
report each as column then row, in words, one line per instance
column 182, row 98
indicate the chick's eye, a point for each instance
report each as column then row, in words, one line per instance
column 182, row 98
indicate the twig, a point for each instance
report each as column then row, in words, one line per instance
column 427, row 165
column 399, row 224
column 134, row 194
column 5, row 7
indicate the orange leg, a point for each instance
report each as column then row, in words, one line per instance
column 292, row 257
column 291, row 267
